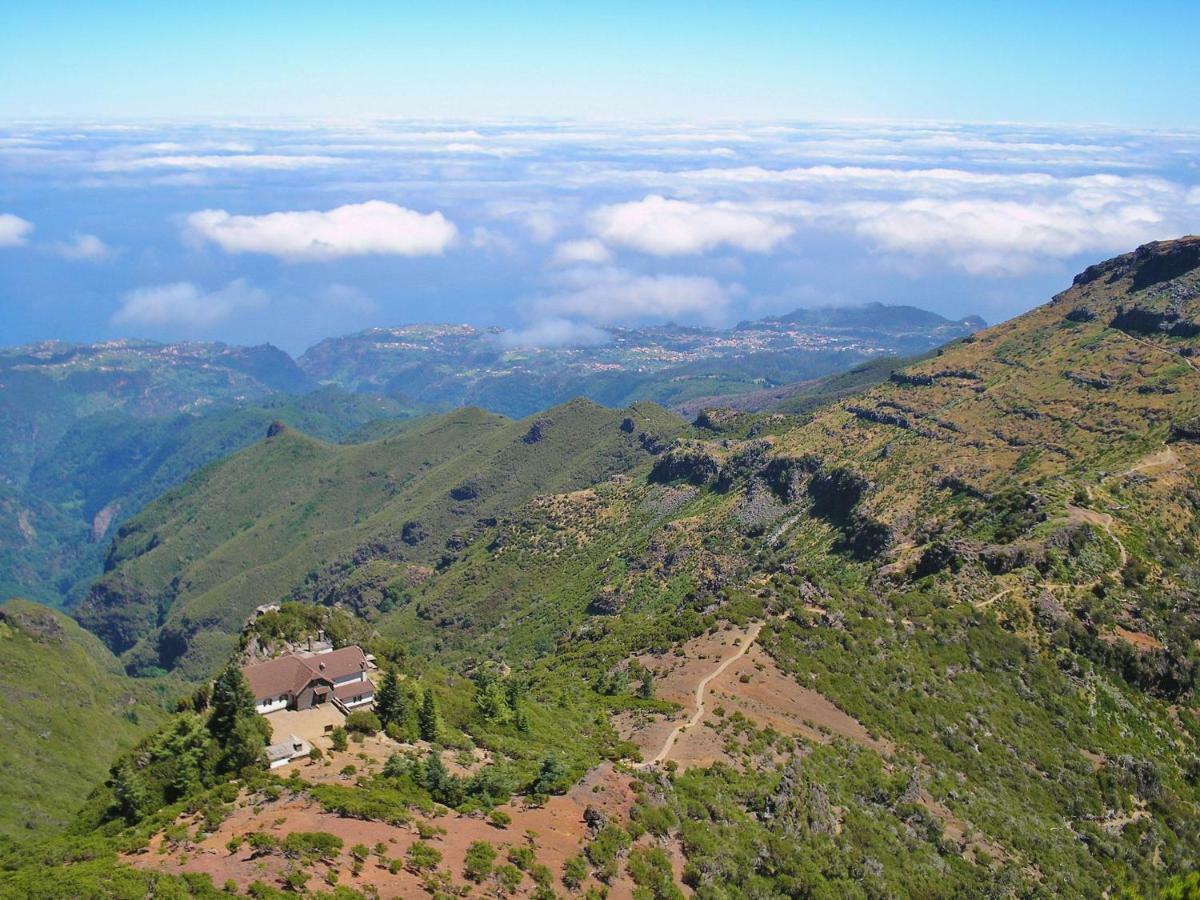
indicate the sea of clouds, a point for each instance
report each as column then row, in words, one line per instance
column 290, row 232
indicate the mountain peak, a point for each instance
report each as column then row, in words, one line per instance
column 1149, row 264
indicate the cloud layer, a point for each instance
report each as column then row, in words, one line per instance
column 13, row 230
column 183, row 305
column 665, row 227
column 374, row 227
column 84, row 248
column 609, row 296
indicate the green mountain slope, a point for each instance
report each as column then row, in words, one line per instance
column 293, row 516
column 105, row 467
column 966, row 598
column 66, row 710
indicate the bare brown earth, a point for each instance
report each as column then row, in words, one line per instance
column 558, row 826
column 750, row 683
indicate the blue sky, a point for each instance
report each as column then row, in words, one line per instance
column 1078, row 62
column 270, row 174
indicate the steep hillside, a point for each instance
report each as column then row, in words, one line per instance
column 295, row 517
column 54, row 527
column 67, row 709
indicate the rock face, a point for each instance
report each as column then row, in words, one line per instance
column 1186, row 431
column 687, row 462
column 413, row 533
column 1150, row 264
column 1147, row 321
column 103, row 519
column 537, row 431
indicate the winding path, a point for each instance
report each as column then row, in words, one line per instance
column 701, row 689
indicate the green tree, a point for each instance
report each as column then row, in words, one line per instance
column 551, row 777
column 246, row 744
column 427, row 717
column 238, row 729
column 436, row 778
column 389, row 700
column 231, row 700
column 129, row 794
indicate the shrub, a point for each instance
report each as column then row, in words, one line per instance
column 650, row 870
column 603, row 851
column 477, row 865
column 338, row 738
column 422, row 857
column 312, row 845
column 363, row 721
column 508, row 878
column 499, row 818
column 575, row 871
column 521, row 857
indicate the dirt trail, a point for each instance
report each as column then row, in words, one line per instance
column 992, row 599
column 1164, row 457
column 701, row 688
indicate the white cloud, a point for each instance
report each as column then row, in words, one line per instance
column 374, row 227
column 609, row 295
column 184, row 305
column 252, row 161
column 13, row 230
column 586, row 251
column 673, row 227
column 555, row 332
column 491, row 241
column 541, row 225
column 84, row 248
column 1003, row 237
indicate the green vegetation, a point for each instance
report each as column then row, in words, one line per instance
column 986, row 564
column 66, row 710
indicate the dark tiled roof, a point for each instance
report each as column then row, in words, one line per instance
column 292, row 674
column 353, row 689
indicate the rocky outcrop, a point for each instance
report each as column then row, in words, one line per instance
column 464, row 492
column 686, row 462
column 876, row 416
column 1149, row 264
column 1137, row 320
column 905, row 379
column 1186, row 431
column 608, row 602
column 412, row 533
column 103, row 519
column 537, row 431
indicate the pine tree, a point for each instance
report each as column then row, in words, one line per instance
column 239, row 730
column 389, row 702
column 551, row 777
column 128, row 791
column 232, row 700
column 427, row 717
